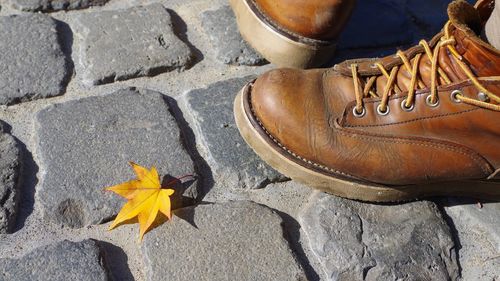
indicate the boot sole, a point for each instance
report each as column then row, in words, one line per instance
column 299, row 170
column 278, row 46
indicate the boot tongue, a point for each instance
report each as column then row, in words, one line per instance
column 483, row 59
column 464, row 17
column 466, row 21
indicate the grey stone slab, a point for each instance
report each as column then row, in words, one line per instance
column 85, row 145
column 218, row 139
column 488, row 215
column 222, row 30
column 32, row 63
column 231, row 241
column 478, row 230
column 54, row 5
column 287, row 197
column 360, row 241
column 61, row 261
column 10, row 166
column 124, row 44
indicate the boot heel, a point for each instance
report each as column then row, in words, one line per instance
column 277, row 46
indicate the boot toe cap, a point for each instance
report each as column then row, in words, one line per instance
column 288, row 104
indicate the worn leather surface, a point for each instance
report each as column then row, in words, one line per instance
column 310, row 113
column 316, row 19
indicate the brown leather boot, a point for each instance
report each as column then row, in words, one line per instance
column 423, row 122
column 293, row 33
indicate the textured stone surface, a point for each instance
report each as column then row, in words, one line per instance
column 220, row 26
column 478, row 230
column 287, row 197
column 359, row 241
column 32, row 64
column 85, row 145
column 231, row 241
column 488, row 215
column 234, row 162
column 123, row 44
column 10, row 165
column 54, row 5
column 58, row 262
column 71, row 151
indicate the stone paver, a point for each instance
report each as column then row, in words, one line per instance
column 144, row 35
column 478, row 231
column 220, row 26
column 10, row 165
column 54, row 5
column 61, row 261
column 67, row 149
column 488, row 215
column 85, row 145
column 231, row 241
column 32, row 63
column 234, row 162
column 359, row 241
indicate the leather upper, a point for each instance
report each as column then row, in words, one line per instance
column 310, row 113
column 316, row 19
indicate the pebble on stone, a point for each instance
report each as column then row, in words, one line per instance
column 58, row 262
column 222, row 30
column 231, row 241
column 85, row 146
column 51, row 5
column 10, row 165
column 360, row 241
column 124, row 44
column 234, row 162
column 32, row 63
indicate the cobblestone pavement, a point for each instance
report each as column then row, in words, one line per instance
column 86, row 86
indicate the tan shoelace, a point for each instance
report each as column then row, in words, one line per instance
column 415, row 83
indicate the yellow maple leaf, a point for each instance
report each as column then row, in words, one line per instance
column 146, row 197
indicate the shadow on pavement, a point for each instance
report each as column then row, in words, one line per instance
column 180, row 29
column 205, row 180
column 65, row 37
column 116, row 261
column 26, row 184
column 291, row 230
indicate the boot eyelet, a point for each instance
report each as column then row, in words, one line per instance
column 429, row 102
column 483, row 97
column 454, row 95
column 407, row 109
column 382, row 113
column 373, row 65
column 358, row 114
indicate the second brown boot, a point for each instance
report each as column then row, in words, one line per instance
column 293, row 33
column 423, row 122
